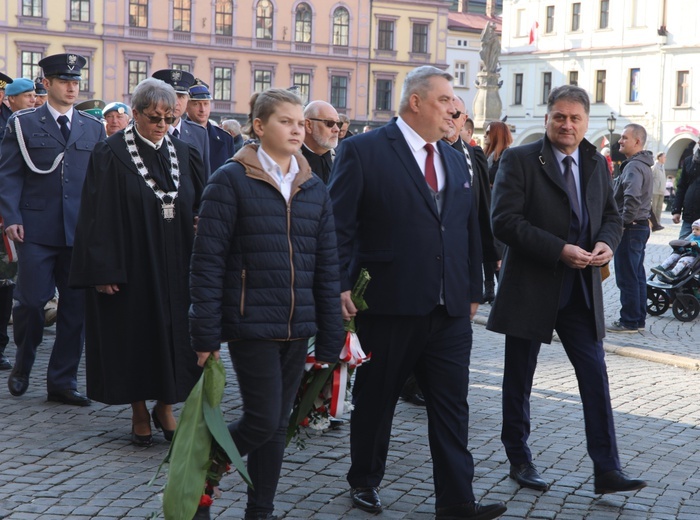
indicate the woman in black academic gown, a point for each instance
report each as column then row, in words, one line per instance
column 132, row 250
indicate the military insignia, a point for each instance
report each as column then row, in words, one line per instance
column 72, row 59
column 176, row 75
column 97, row 104
column 3, row 84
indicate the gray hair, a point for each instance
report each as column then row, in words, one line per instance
column 152, row 92
column 639, row 132
column 231, row 125
column 418, row 82
column 570, row 93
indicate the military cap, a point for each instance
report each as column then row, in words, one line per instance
column 199, row 90
column 116, row 106
column 93, row 107
column 19, row 86
column 181, row 80
column 63, row 66
column 4, row 81
column 39, row 87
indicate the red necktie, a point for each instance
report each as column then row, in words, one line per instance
column 430, row 175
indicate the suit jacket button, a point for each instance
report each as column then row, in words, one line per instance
column 438, row 257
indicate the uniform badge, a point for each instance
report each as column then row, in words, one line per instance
column 71, row 60
column 176, row 75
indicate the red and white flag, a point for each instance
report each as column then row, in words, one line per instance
column 533, row 32
column 604, row 142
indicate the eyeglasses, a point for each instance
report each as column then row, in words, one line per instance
column 456, row 114
column 328, row 122
column 169, row 120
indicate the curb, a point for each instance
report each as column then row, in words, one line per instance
column 634, row 352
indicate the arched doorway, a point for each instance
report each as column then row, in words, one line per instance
column 679, row 148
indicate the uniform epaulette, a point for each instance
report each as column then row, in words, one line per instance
column 89, row 116
column 24, row 111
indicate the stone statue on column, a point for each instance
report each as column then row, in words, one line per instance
column 487, row 102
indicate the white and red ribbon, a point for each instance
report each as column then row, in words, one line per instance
column 352, row 356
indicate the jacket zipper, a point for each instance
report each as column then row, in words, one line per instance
column 291, row 267
column 242, row 304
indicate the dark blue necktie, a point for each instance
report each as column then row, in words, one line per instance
column 63, row 123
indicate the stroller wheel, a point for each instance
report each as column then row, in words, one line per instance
column 686, row 307
column 657, row 301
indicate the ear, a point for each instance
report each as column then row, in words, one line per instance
column 46, row 82
column 414, row 102
column 258, row 127
column 307, row 126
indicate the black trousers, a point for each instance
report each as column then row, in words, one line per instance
column 269, row 373
column 576, row 328
column 437, row 348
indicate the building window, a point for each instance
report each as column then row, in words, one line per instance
column 138, row 13
column 302, row 24
column 576, row 16
column 181, row 66
column 341, row 27
column 460, row 74
column 600, row 86
column 33, row 8
column 682, row 88
column 339, row 91
column 420, row 38
column 384, row 88
column 633, row 95
column 222, row 84
column 573, row 78
column 637, row 14
column 80, row 10
column 262, row 80
column 263, row 20
column 223, row 17
column 138, row 71
column 303, row 81
column 182, row 16
column 385, row 35
column 518, row 90
column 546, row 86
column 604, row 16
column 30, row 59
column 549, row 28
column 523, row 24
column 85, row 76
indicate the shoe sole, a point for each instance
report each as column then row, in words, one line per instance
column 624, row 331
column 604, row 491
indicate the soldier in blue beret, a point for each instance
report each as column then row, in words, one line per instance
column 20, row 94
column 43, row 161
column 41, row 93
column 221, row 146
column 187, row 131
column 117, row 116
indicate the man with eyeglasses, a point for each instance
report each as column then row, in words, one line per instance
column 322, row 130
column 43, row 161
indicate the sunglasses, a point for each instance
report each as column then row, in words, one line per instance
column 169, row 120
column 456, row 114
column 328, row 122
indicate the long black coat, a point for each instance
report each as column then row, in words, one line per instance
column 137, row 340
column 530, row 214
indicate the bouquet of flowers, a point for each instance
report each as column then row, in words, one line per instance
column 323, row 388
column 201, row 451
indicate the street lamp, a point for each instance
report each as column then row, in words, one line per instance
column 611, row 127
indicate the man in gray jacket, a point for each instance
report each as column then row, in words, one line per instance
column 633, row 191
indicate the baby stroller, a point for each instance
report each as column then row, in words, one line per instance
column 682, row 293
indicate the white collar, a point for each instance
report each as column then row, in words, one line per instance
column 153, row 145
column 55, row 113
column 415, row 141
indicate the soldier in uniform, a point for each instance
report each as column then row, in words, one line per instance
column 43, row 161
column 185, row 130
column 93, row 107
column 221, row 146
column 5, row 111
column 20, row 94
column 41, row 93
column 117, row 116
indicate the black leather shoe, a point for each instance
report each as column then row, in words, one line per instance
column 144, row 441
column 528, row 477
column 366, row 498
column 5, row 363
column 414, row 398
column 616, row 481
column 168, row 434
column 202, row 514
column 17, row 383
column 69, row 396
column 472, row 511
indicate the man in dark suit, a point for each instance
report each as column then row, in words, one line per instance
column 554, row 210
column 40, row 188
column 221, row 146
column 403, row 207
column 185, row 130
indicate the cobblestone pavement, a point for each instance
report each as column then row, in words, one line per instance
column 62, row 462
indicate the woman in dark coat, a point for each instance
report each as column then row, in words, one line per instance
column 132, row 247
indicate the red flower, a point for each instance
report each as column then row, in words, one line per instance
column 205, row 501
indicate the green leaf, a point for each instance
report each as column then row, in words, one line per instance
column 214, row 381
column 316, row 381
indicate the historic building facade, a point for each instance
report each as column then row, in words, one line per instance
column 636, row 58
